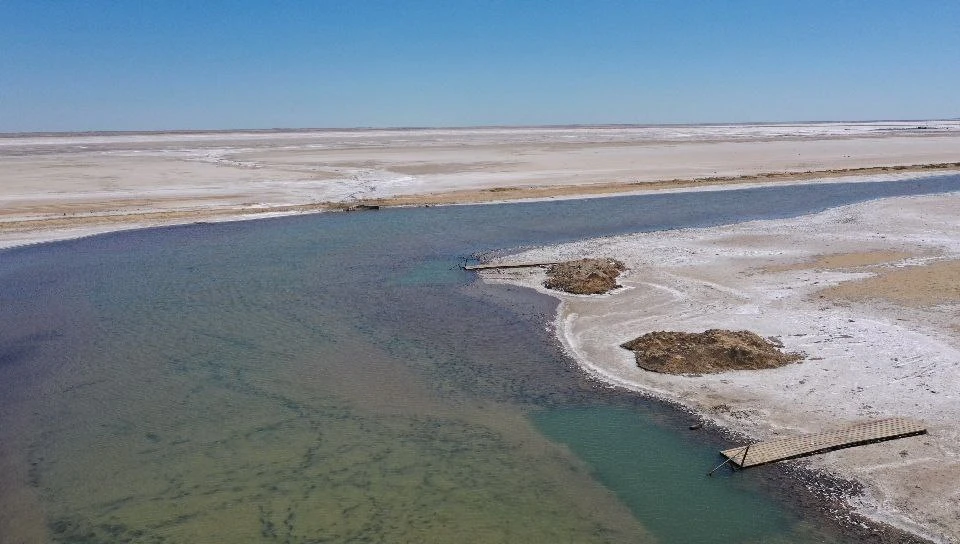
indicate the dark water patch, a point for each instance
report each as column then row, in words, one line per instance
column 16, row 353
column 338, row 378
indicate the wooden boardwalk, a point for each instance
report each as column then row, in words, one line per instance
column 809, row 444
column 505, row 265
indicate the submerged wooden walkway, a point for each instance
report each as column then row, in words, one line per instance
column 505, row 265
column 762, row 453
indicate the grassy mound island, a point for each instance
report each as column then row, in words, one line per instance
column 708, row 352
column 584, row 276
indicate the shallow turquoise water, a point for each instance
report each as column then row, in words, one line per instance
column 338, row 378
column 661, row 476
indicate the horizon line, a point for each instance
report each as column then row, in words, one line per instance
column 444, row 127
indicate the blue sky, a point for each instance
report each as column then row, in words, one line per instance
column 148, row 65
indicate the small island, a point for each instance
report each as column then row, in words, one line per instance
column 584, row 276
column 708, row 352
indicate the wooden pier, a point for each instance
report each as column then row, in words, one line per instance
column 771, row 451
column 505, row 265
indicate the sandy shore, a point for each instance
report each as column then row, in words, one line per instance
column 869, row 292
column 69, row 185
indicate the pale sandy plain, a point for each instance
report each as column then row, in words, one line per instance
column 869, row 292
column 64, row 185
column 876, row 354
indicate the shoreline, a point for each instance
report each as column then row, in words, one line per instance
column 67, row 186
column 19, row 231
column 867, row 357
column 539, row 193
column 819, row 493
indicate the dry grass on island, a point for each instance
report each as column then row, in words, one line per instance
column 584, row 276
column 671, row 352
column 708, row 352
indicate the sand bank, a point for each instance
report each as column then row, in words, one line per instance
column 868, row 292
column 68, row 185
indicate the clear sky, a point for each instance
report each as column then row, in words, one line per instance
column 169, row 64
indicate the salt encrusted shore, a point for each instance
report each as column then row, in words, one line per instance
column 869, row 292
column 58, row 186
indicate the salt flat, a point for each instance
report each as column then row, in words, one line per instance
column 868, row 292
column 62, row 185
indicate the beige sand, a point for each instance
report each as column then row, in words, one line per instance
column 916, row 286
column 61, row 186
column 868, row 292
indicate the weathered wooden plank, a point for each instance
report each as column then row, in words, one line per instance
column 505, row 265
column 810, row 444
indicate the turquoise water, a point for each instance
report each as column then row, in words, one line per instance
column 652, row 469
column 337, row 378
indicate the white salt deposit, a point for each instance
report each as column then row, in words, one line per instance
column 864, row 360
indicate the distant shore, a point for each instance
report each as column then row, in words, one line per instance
column 868, row 292
column 64, row 186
